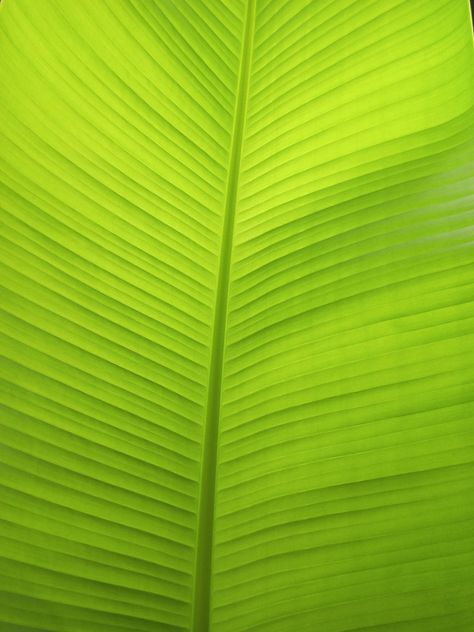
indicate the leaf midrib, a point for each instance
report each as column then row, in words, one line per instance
column 204, row 541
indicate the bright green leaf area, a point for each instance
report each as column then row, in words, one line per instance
column 237, row 316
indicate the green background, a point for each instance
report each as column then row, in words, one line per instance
column 237, row 316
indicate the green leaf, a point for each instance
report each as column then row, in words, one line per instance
column 237, row 310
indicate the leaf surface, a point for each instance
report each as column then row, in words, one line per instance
column 237, row 313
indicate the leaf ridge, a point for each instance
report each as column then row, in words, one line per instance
column 205, row 527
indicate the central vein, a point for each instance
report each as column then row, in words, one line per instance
column 203, row 569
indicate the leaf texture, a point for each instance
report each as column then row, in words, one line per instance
column 115, row 139
column 346, row 433
column 237, row 283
